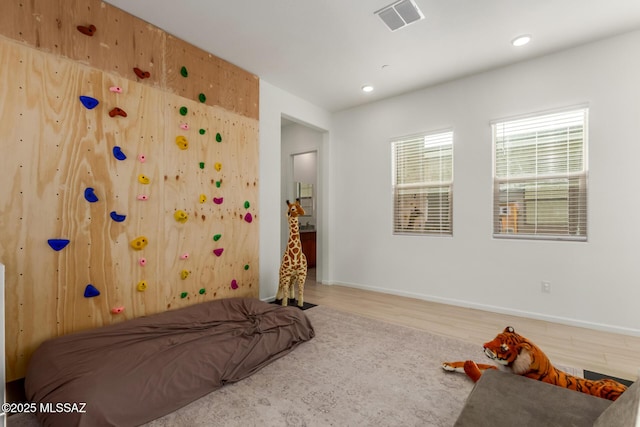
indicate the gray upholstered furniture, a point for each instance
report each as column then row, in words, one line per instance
column 504, row 399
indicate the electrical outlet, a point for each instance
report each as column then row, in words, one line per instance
column 545, row 287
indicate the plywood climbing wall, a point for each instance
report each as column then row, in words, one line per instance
column 166, row 164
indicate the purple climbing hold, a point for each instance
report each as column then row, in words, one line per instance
column 89, row 102
column 90, row 291
column 218, row 251
column 218, row 200
column 234, row 284
column 58, row 244
column 117, row 217
column 90, row 195
column 248, row 217
column 118, row 154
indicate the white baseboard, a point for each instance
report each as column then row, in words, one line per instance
column 496, row 309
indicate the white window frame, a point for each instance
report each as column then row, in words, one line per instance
column 535, row 204
column 413, row 214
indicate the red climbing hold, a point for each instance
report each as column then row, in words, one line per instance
column 87, row 31
column 141, row 74
column 117, row 112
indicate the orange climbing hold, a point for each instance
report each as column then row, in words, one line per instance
column 141, row 74
column 117, row 112
column 87, row 31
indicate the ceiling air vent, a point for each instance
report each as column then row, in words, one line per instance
column 400, row 14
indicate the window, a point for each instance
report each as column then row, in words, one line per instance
column 423, row 184
column 540, row 176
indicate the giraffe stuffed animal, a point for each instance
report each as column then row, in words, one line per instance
column 294, row 264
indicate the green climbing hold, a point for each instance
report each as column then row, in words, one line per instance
column 183, row 295
column 246, row 266
column 184, row 72
column 218, row 183
column 183, row 111
column 202, row 97
column 217, row 237
column 201, row 165
column 218, row 137
column 246, row 204
column 202, row 291
column 202, row 131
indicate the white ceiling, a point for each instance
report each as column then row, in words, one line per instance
column 324, row 51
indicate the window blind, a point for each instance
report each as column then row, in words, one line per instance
column 540, row 176
column 423, row 184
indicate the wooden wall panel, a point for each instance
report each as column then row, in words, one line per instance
column 54, row 149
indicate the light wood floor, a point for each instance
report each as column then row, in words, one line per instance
column 607, row 353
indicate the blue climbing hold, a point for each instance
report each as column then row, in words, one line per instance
column 90, row 195
column 90, row 291
column 89, row 102
column 117, row 217
column 118, row 154
column 58, row 244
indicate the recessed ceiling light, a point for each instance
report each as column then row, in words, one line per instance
column 367, row 88
column 521, row 40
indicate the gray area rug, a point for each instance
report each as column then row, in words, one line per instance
column 355, row 372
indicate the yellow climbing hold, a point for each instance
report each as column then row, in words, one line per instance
column 218, row 166
column 203, row 198
column 139, row 243
column 181, row 216
column 143, row 179
column 142, row 286
column 184, row 274
column 182, row 142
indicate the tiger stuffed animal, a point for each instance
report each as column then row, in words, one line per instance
column 522, row 357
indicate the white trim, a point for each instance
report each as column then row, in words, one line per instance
column 501, row 310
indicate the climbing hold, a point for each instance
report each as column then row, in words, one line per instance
column 247, row 204
column 143, row 179
column 202, row 291
column 142, row 261
column 218, row 183
column 182, row 142
column 139, row 242
column 234, row 284
column 141, row 74
column 90, row 291
column 117, row 217
column 143, row 197
column 142, row 158
column 87, row 31
column 218, row 166
column 116, row 89
column 142, row 286
column 184, row 72
column 203, row 198
column 201, row 165
column 181, row 216
column 117, row 310
column 183, row 295
column 217, row 237
column 184, row 274
column 89, row 102
column 202, row 131
column 246, row 267
column 117, row 112
column 184, row 256
column 58, row 244
column 218, row 200
column 248, row 217
column 218, row 137
column 202, row 97
column 90, row 195
column 218, row 251
column 184, row 126
column 183, row 111
column 118, row 154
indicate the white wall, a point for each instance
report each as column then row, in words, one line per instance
column 594, row 284
column 274, row 103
